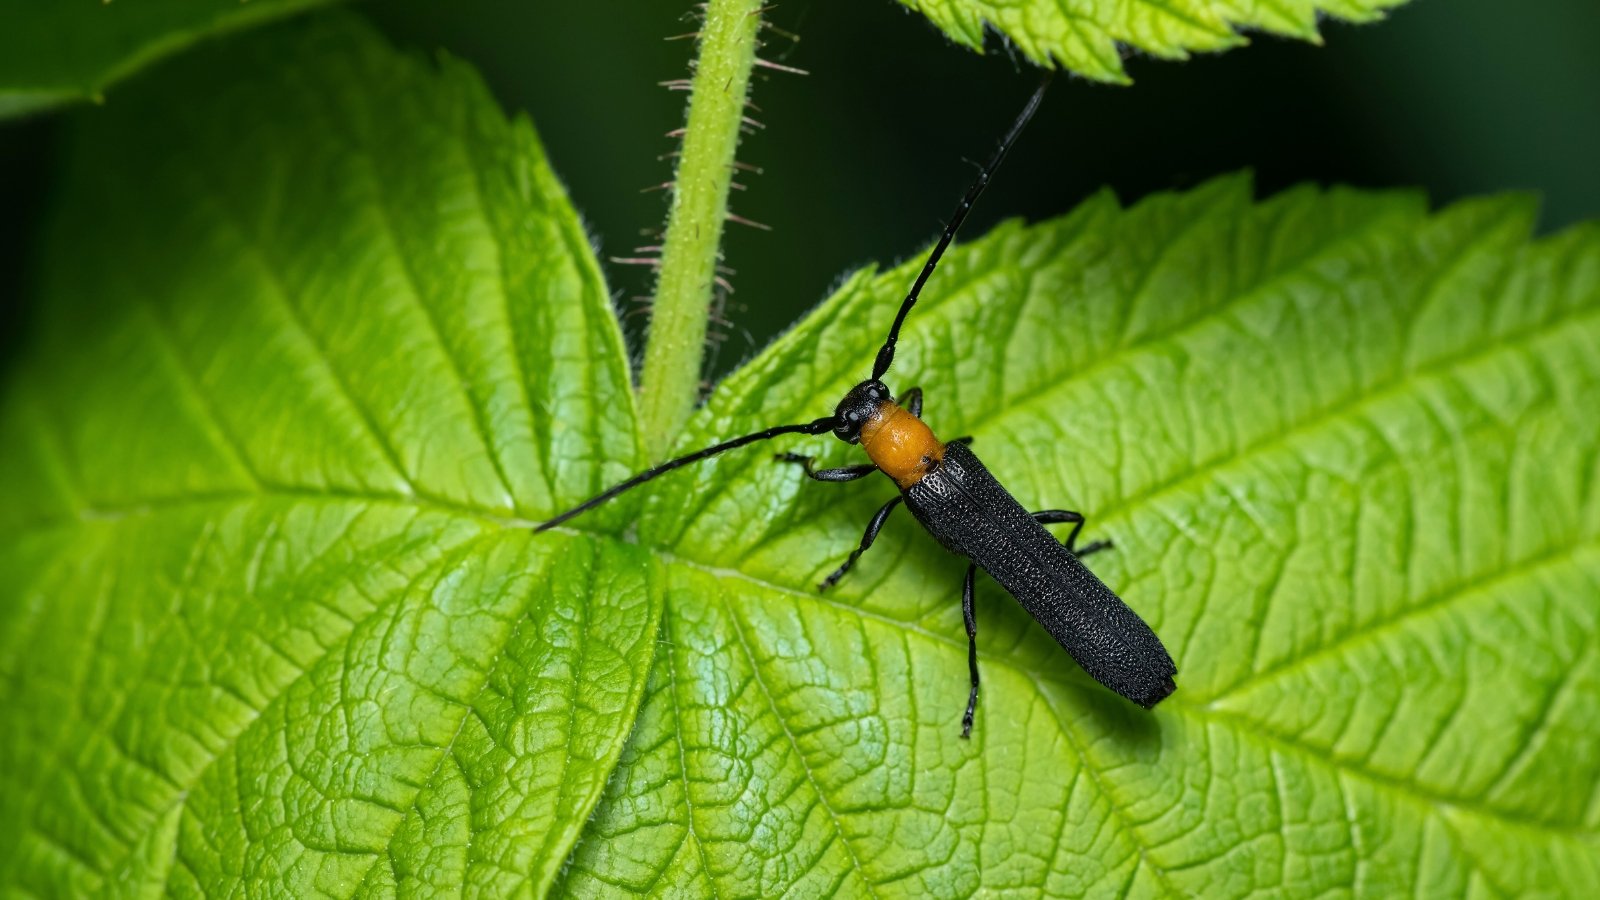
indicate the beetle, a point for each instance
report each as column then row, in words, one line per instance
column 956, row 499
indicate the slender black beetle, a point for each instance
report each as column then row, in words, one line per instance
column 965, row 508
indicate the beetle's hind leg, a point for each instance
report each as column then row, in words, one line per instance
column 843, row 473
column 873, row 527
column 967, row 613
column 1053, row 516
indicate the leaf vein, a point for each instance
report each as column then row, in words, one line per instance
column 772, row 704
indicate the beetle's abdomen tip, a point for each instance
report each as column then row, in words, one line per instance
column 1160, row 693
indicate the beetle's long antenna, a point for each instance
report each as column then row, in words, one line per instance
column 886, row 353
column 818, row 426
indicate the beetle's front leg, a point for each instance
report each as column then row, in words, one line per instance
column 843, row 473
column 873, row 527
column 912, row 401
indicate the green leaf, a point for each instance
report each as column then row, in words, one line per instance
column 1348, row 455
column 66, row 51
column 1090, row 36
column 319, row 336
column 319, row 332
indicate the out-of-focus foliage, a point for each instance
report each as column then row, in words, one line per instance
column 68, row 50
column 1090, row 37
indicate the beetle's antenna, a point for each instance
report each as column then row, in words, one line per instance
column 886, row 353
column 818, row 426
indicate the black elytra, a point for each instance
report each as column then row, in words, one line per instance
column 967, row 510
column 971, row 514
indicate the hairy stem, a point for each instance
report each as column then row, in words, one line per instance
column 670, row 380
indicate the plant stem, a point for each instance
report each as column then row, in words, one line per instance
column 670, row 379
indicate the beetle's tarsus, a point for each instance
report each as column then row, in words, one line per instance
column 1093, row 547
column 971, row 619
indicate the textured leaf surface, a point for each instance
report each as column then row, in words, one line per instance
column 319, row 334
column 65, row 51
column 1090, row 37
column 319, row 329
column 1348, row 455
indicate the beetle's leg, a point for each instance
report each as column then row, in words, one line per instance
column 912, row 401
column 843, row 473
column 972, row 649
column 873, row 527
column 1052, row 516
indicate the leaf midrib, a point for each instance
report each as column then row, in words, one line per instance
column 691, row 831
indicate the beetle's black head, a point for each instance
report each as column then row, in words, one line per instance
column 857, row 407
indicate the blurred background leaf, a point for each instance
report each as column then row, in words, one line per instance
column 70, row 50
column 1092, row 38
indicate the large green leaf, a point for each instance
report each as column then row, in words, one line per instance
column 1090, row 37
column 319, row 331
column 319, row 335
column 1347, row 451
column 62, row 51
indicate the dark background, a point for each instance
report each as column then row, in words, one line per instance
column 864, row 157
